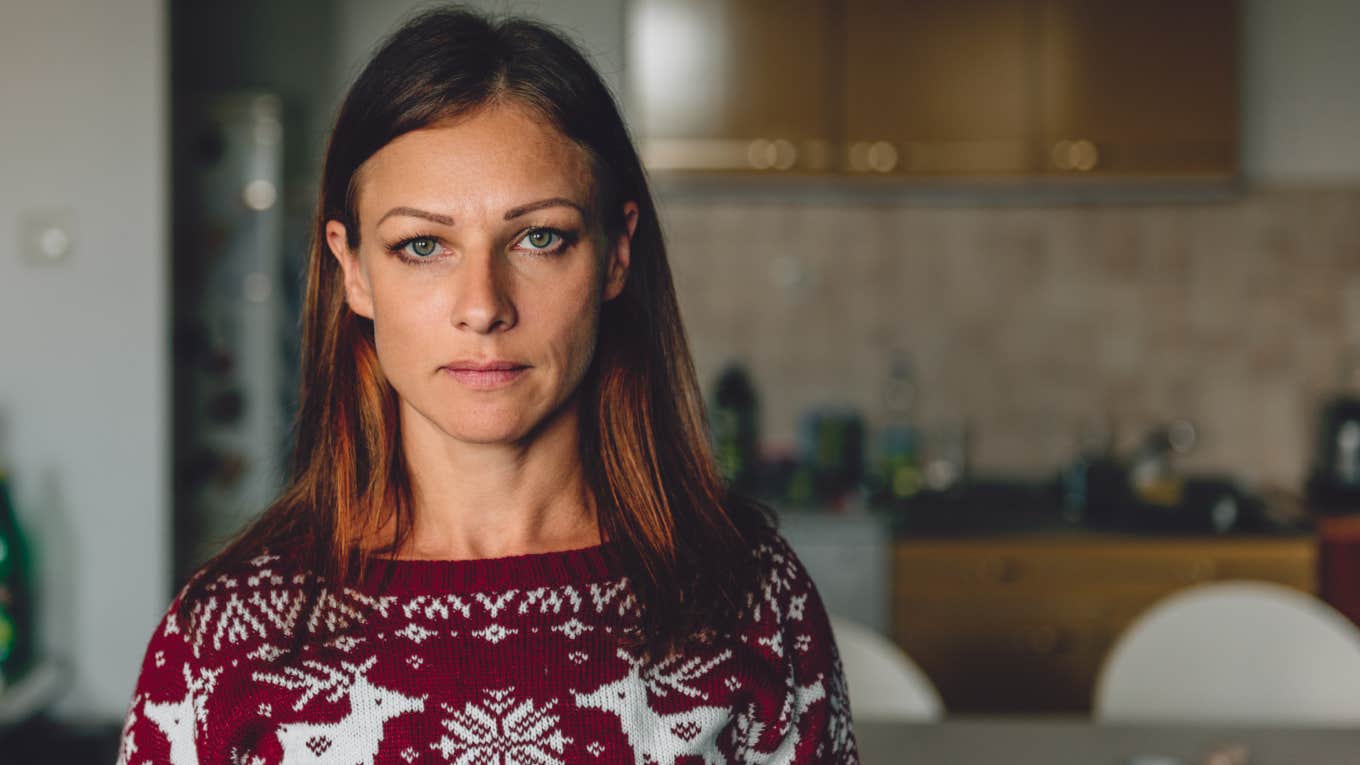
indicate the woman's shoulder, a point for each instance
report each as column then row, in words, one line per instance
column 780, row 590
column 785, row 637
column 264, row 603
column 218, row 580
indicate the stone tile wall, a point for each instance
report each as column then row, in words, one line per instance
column 1031, row 323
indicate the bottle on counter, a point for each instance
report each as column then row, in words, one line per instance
column 734, row 423
column 1093, row 486
column 832, row 445
column 898, row 471
column 16, row 607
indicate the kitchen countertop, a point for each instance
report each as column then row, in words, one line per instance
column 50, row 742
column 1079, row 741
column 1032, row 509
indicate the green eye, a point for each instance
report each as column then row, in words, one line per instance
column 424, row 247
column 541, row 238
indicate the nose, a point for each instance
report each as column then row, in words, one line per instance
column 482, row 301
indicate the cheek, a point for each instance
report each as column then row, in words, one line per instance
column 580, row 331
column 403, row 324
column 587, row 337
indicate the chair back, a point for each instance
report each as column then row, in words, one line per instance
column 1234, row 652
column 884, row 684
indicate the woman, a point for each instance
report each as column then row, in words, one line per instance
column 504, row 539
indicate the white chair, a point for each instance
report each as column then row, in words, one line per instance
column 884, row 684
column 1238, row 653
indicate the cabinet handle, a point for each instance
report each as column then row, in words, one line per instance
column 873, row 156
column 1080, row 155
column 883, row 156
column 779, row 154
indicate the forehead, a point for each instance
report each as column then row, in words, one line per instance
column 494, row 158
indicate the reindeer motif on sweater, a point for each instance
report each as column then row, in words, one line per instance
column 656, row 737
column 352, row 740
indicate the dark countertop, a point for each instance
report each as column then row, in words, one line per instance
column 1008, row 508
column 1013, row 508
column 1043, row 741
column 46, row 741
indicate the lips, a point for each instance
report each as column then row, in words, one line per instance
column 484, row 366
column 484, row 375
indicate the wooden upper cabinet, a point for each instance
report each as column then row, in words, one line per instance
column 733, row 84
column 940, row 88
column 1139, row 88
column 929, row 88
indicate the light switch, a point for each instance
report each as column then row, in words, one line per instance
column 47, row 236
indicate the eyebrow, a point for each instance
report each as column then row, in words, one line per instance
column 412, row 212
column 512, row 213
column 515, row 212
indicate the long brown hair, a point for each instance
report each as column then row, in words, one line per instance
column 683, row 541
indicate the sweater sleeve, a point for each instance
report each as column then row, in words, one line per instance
column 161, row 723
column 813, row 724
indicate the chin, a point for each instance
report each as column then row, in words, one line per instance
column 479, row 430
column 492, row 422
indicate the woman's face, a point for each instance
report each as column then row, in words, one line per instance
column 483, row 266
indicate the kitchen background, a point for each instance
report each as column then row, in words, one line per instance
column 1029, row 319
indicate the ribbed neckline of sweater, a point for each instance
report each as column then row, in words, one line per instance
column 515, row 572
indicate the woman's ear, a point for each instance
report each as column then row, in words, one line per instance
column 620, row 253
column 358, row 292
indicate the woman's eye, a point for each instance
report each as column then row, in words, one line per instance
column 542, row 239
column 422, row 247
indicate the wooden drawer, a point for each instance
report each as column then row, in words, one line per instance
column 1068, row 564
column 1023, row 624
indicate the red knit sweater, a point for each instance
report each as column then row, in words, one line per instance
column 510, row 660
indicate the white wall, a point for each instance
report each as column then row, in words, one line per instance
column 1301, row 91
column 83, row 388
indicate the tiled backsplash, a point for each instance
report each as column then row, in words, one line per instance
column 1031, row 323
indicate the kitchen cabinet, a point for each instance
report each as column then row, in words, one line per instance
column 1145, row 88
column 937, row 88
column 1022, row 624
column 721, row 85
column 925, row 89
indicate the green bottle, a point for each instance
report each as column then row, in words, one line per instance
column 16, row 615
column 733, row 422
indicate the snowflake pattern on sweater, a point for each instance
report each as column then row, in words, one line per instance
column 511, row 661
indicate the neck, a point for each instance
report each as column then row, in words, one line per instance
column 496, row 500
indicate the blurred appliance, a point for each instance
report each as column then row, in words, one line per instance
column 1334, row 482
column 1333, row 492
column 231, row 378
